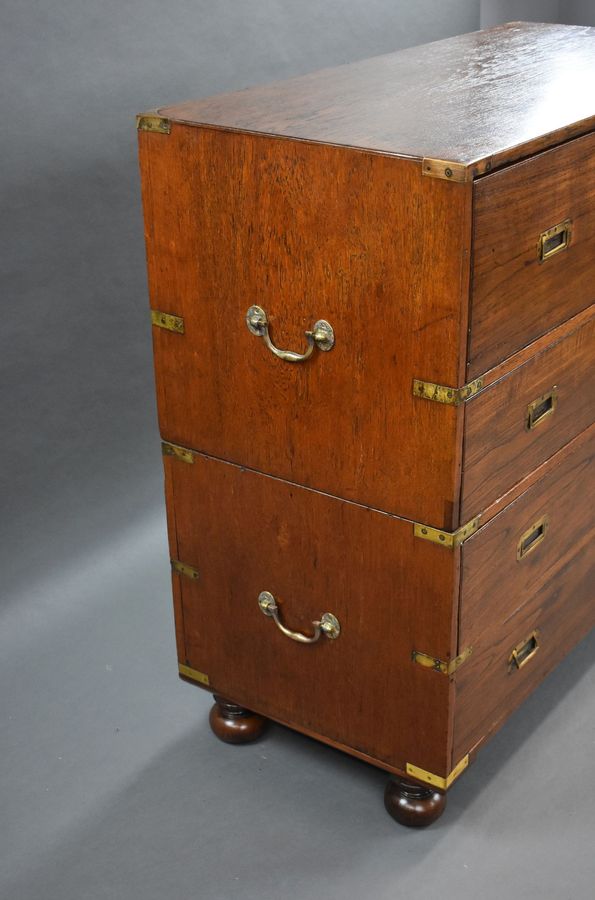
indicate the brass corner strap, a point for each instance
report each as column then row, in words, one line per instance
column 454, row 171
column 440, row 393
column 439, row 665
column 184, row 569
column 438, row 780
column 193, row 674
column 445, row 168
column 182, row 453
column 167, row 321
column 448, row 539
column 152, row 121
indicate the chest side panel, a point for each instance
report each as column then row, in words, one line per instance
column 310, row 232
column 391, row 592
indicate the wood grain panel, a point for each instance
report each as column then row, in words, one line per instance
column 504, row 599
column 484, row 98
column 391, row 592
column 499, row 448
column 310, row 232
column 516, row 297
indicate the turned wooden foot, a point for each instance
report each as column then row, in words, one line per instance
column 412, row 804
column 234, row 724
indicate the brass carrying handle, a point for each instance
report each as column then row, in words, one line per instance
column 321, row 336
column 327, row 625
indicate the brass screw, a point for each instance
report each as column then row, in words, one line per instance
column 448, row 172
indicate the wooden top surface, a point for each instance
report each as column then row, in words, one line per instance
column 491, row 96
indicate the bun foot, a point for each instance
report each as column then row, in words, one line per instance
column 234, row 724
column 412, row 804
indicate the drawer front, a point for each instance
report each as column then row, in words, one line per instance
column 527, row 593
column 516, row 424
column 517, row 295
column 248, row 533
column 308, row 233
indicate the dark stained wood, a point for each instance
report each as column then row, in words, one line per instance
column 546, row 468
column 516, row 298
column 175, row 578
column 310, row 232
column 391, row 592
column 522, row 356
column 499, row 449
column 490, row 97
column 504, row 600
column 412, row 804
column 233, row 724
column 309, row 199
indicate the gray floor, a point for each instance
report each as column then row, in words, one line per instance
column 114, row 787
column 111, row 784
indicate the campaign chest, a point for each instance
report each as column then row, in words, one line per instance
column 382, row 536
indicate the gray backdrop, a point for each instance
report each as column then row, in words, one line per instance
column 112, row 785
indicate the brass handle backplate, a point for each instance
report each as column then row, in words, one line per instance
column 327, row 625
column 540, row 410
column 532, row 537
column 554, row 240
column 524, row 651
column 321, row 336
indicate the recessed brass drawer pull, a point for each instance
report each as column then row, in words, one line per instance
column 321, row 336
column 554, row 240
column 328, row 624
column 541, row 409
column 524, row 651
column 532, row 537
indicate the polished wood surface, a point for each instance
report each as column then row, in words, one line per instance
column 499, row 448
column 412, row 804
column 310, row 232
column 503, row 600
column 546, row 468
column 515, row 296
column 391, row 592
column 312, row 200
column 233, row 724
column 480, row 99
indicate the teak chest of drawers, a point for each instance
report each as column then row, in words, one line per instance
column 382, row 537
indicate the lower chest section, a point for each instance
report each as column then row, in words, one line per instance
column 345, row 623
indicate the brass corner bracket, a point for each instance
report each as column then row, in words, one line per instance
column 193, row 674
column 438, row 780
column 444, row 168
column 448, row 539
column 454, row 171
column 439, row 665
column 184, row 569
column 182, row 453
column 442, row 394
column 152, row 121
column 167, row 321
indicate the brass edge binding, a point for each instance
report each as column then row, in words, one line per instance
column 437, row 780
column 193, row 674
column 454, row 171
column 184, row 569
column 439, row 665
column 444, row 168
column 167, row 321
column 168, row 449
column 449, row 539
column 442, row 394
column 152, row 121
